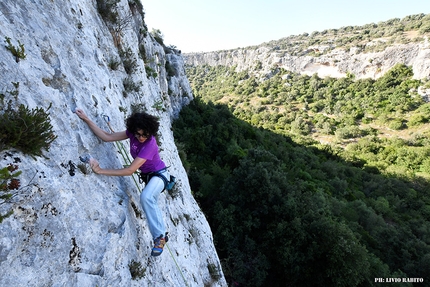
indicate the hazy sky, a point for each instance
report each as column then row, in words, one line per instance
column 209, row 25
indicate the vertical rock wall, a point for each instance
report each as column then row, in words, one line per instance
column 71, row 227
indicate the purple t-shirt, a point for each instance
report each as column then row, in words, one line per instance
column 147, row 150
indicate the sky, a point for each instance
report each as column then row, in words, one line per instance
column 209, row 25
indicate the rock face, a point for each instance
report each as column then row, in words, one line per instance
column 71, row 227
column 336, row 63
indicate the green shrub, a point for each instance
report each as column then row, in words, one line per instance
column 142, row 52
column 424, row 29
column 158, row 106
column 128, row 60
column 137, row 5
column 214, row 271
column 8, row 186
column 108, row 10
column 18, row 52
column 418, row 119
column 150, row 72
column 396, row 124
column 113, row 64
column 137, row 271
column 130, row 86
column 158, row 36
column 27, row 130
column 348, row 132
column 170, row 69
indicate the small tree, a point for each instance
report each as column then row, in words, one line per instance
column 27, row 130
column 8, row 184
column 17, row 51
column 158, row 36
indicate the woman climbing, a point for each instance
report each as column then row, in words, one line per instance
column 141, row 130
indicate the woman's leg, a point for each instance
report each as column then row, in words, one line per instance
column 149, row 201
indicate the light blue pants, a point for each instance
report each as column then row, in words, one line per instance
column 149, row 202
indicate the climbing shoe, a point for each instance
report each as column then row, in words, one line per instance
column 159, row 243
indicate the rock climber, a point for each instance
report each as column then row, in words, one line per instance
column 141, row 129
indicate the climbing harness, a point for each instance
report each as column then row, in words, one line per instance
column 168, row 184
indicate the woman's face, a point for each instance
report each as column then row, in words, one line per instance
column 141, row 136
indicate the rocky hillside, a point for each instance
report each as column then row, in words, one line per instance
column 367, row 51
column 71, row 227
column 337, row 63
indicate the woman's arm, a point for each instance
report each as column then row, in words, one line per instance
column 103, row 135
column 137, row 162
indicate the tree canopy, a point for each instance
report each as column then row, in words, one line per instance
column 288, row 210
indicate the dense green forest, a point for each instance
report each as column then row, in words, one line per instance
column 384, row 122
column 288, row 210
column 310, row 181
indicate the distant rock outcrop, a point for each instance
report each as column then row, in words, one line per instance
column 335, row 63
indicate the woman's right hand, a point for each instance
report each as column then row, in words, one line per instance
column 81, row 114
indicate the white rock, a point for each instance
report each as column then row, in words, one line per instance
column 335, row 63
column 85, row 229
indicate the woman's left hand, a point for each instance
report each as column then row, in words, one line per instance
column 95, row 165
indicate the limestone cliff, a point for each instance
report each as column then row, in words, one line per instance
column 337, row 62
column 71, row 227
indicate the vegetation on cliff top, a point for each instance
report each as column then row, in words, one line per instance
column 373, row 37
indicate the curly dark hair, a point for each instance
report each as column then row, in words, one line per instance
column 143, row 121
